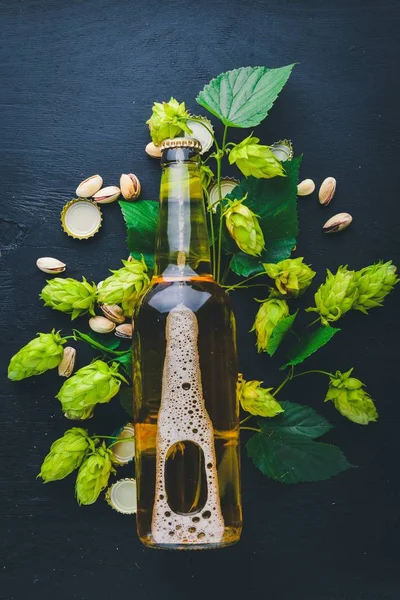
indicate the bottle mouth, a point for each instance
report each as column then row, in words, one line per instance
column 181, row 142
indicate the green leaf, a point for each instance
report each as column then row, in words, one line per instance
column 294, row 458
column 274, row 201
column 141, row 219
column 243, row 97
column 126, row 399
column 106, row 340
column 297, row 420
column 85, row 337
column 309, row 344
column 126, row 361
column 279, row 332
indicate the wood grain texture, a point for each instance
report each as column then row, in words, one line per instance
column 77, row 81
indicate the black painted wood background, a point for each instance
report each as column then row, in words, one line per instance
column 77, row 82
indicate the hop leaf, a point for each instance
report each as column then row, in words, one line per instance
column 70, row 296
column 169, row 120
column 125, row 286
column 93, row 475
column 206, row 176
column 292, row 277
column 270, row 313
column 94, row 384
column 244, row 227
column 255, row 159
column 350, row 399
column 374, row 283
column 66, row 454
column 336, row 296
column 257, row 400
column 39, row 355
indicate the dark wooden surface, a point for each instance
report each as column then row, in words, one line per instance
column 77, row 82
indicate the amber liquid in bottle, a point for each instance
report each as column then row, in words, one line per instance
column 185, row 371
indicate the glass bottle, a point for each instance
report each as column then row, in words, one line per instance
column 186, row 412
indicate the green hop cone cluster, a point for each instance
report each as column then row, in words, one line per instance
column 169, row 120
column 39, row 355
column 125, row 286
column 267, row 318
column 350, row 399
column 336, row 296
column 66, row 454
column 93, row 475
column 254, row 159
column 244, row 228
column 70, row 296
column 94, row 384
column 292, row 277
column 257, row 400
column 374, row 283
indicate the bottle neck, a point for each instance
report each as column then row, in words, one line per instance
column 182, row 243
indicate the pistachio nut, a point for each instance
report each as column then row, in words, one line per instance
column 130, row 186
column 89, row 186
column 107, row 195
column 337, row 223
column 305, row 187
column 101, row 325
column 327, row 191
column 124, row 331
column 50, row 265
column 113, row 312
column 66, row 366
column 153, row 150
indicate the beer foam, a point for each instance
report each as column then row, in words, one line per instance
column 183, row 417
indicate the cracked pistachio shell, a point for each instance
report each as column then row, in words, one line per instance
column 153, row 150
column 50, row 265
column 66, row 366
column 107, row 194
column 306, row 187
column 124, row 331
column 113, row 312
column 89, row 186
column 101, row 325
column 337, row 223
column 327, row 191
column 130, row 186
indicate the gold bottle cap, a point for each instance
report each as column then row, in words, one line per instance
column 202, row 131
column 124, row 451
column 227, row 185
column 181, row 142
column 81, row 218
column 121, row 496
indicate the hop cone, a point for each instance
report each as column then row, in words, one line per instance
column 291, row 276
column 94, row 384
column 125, row 286
column 70, row 296
column 39, row 355
column 257, row 400
column 336, row 296
column 256, row 160
column 374, row 283
column 268, row 316
column 350, row 399
column 244, row 227
column 168, row 120
column 79, row 415
column 66, row 455
column 93, row 475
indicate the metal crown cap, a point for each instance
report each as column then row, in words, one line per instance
column 181, row 142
